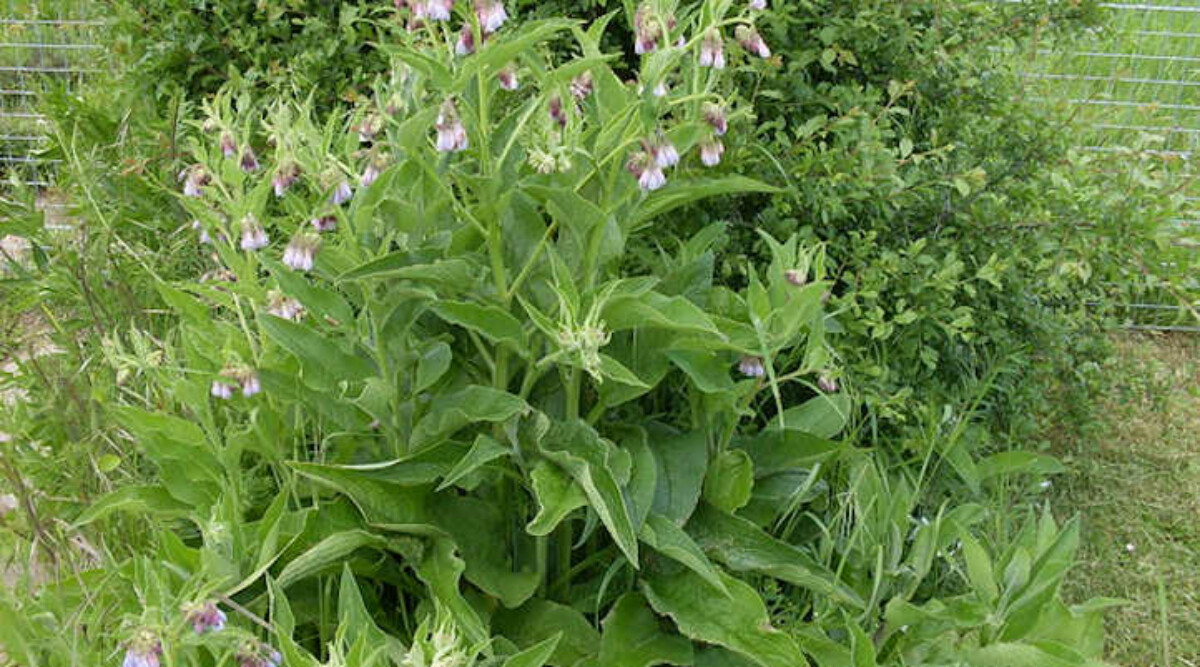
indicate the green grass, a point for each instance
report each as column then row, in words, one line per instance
column 1136, row 482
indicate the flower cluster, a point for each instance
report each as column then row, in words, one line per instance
column 144, row 650
column 257, row 654
column 233, row 377
column 204, row 617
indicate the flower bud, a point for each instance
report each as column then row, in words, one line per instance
column 341, row 194
column 508, row 77
column 557, row 112
column 714, row 115
column 285, row 307
column 325, row 223
column 204, row 617
column 285, row 177
column 249, row 162
column 582, row 86
column 758, row 5
column 466, row 41
column 647, row 31
column 369, row 175
column 368, row 128
column 194, row 179
column 795, row 277
column 228, row 145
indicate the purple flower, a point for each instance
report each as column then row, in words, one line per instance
column 508, row 77
column 204, row 617
column 258, row 655
column 557, row 112
column 466, row 42
column 795, row 277
column 752, row 367
column 647, row 171
column 712, row 50
column 144, row 651
column 285, row 307
column 249, row 160
column 647, row 31
column 194, row 179
column 368, row 129
column 205, row 239
column 285, row 178
column 341, row 194
column 758, row 5
column 228, row 145
column 663, row 151
column 582, row 86
column 369, row 175
column 437, row 10
column 491, row 15
column 301, row 252
column 254, row 237
column 250, row 386
column 753, row 42
column 661, row 89
column 325, row 223
column 451, row 135
column 222, row 389
column 711, row 151
column 714, row 115
column 827, row 383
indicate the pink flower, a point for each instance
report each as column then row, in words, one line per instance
column 144, row 651
column 508, row 77
column 557, row 112
column 194, row 179
column 663, row 151
column 711, row 151
column 582, row 86
column 250, row 386
column 228, row 145
column 647, row 31
column 254, row 237
column 204, row 617
column 712, row 50
column 301, row 252
column 753, row 42
column 758, row 5
column 647, row 172
column 369, row 175
column 827, row 383
column 249, row 160
column 436, row 10
column 285, row 178
column 221, row 389
column 451, row 135
column 714, row 115
column 795, row 277
column 466, row 41
column 752, row 367
column 491, row 15
column 341, row 194
column 325, row 223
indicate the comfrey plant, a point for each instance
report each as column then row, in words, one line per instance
column 476, row 376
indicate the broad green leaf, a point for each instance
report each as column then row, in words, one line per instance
column 823, row 416
column 355, row 622
column 470, row 405
column 432, row 365
column 682, row 462
column 744, row 547
column 979, row 569
column 730, row 480
column 538, row 620
column 632, row 637
column 580, row 451
column 441, row 571
column 784, row 450
column 535, row 656
column 454, row 273
column 739, row 622
column 318, row 300
column 328, row 552
column 707, row 371
column 682, row 194
column 643, row 477
column 379, row 502
column 557, row 495
column 1044, row 581
column 314, row 349
column 668, row 539
column 657, row 311
column 1027, row 655
column 424, row 467
column 480, row 531
column 148, row 500
column 1019, row 462
column 614, row 370
column 491, row 322
column 484, row 451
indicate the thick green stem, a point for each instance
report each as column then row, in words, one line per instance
column 562, row 570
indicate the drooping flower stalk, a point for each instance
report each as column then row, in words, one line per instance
column 712, row 50
column 491, row 15
column 249, row 162
column 714, row 115
column 646, row 170
column 194, row 179
column 753, row 42
column 647, row 30
column 144, row 650
column 285, row 177
column 300, row 253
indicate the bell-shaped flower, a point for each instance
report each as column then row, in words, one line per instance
column 465, row 45
column 324, row 223
column 491, row 15
column 753, row 42
column 711, row 151
column 204, row 617
column 752, row 367
column 647, row 30
column 254, row 237
column 712, row 50
column 285, row 307
column 451, row 135
column 249, row 163
column 646, row 170
column 758, row 5
column 144, row 651
column 582, row 86
column 558, row 112
column 228, row 145
column 194, row 179
column 663, row 151
column 438, row 10
column 301, row 252
column 714, row 115
column 507, row 77
column 285, row 177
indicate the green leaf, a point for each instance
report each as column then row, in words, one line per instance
column 148, row 499
column 657, row 311
column 1026, row 655
column 739, row 623
column 580, row 451
column 355, row 622
column 668, row 539
column 682, row 462
column 314, row 349
column 823, row 416
column 491, row 322
column 327, row 553
column 612, row 369
column 432, row 365
column 730, row 480
column 380, row 502
column 536, row 655
column 784, row 450
column 1019, row 462
column 484, row 451
column 707, row 371
column 538, row 620
column 557, row 494
column 979, row 569
column 441, row 570
column 744, row 547
column 480, row 531
column 632, row 637
column 682, row 194
column 453, row 273
column 318, row 300
column 466, row 406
